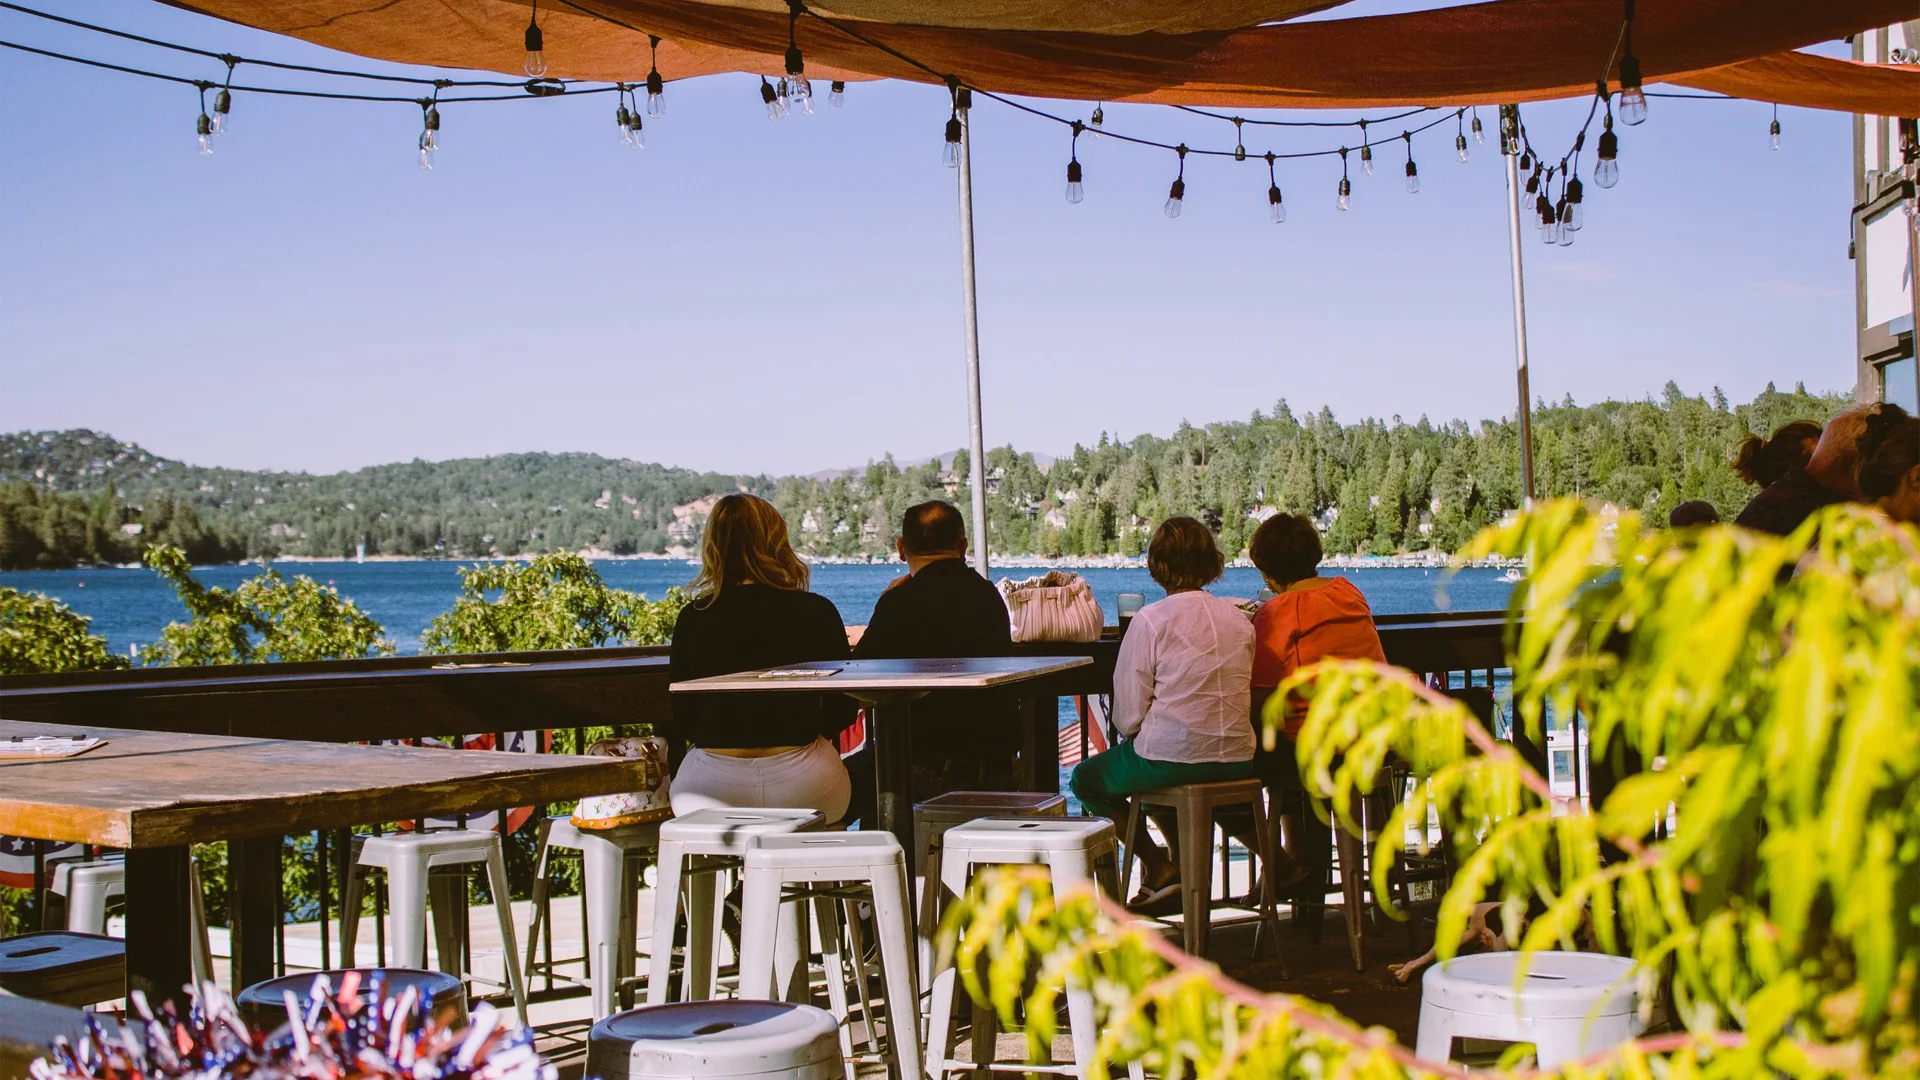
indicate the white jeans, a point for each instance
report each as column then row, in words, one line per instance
column 811, row 777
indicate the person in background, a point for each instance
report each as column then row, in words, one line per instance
column 1889, row 467
column 751, row 609
column 944, row 608
column 1828, row 477
column 1180, row 694
column 1310, row 618
column 1689, row 514
column 1762, row 462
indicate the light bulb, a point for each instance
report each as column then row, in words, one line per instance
column 1572, row 217
column 656, row 95
column 1479, row 133
column 1460, row 147
column 1276, row 209
column 636, row 137
column 802, row 96
column 1606, row 171
column 1633, row 106
column 1563, row 231
column 1366, row 160
column 205, row 128
column 223, row 104
column 1773, row 129
column 1099, row 116
column 1346, row 194
column 1176, row 195
column 775, row 110
column 950, row 154
column 623, row 118
column 426, row 151
column 1413, row 178
column 837, row 94
column 1074, row 191
column 536, row 64
column 1526, row 161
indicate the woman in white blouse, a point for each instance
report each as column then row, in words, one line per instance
column 1180, row 693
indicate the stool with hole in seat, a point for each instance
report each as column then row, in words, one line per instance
column 1569, row 1005
column 712, row 1040
column 828, row 870
column 694, row 849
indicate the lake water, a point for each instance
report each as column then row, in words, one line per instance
column 129, row 606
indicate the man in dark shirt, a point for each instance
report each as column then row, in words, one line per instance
column 943, row 608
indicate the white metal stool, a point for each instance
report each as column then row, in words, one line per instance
column 932, row 819
column 1568, row 1004
column 1193, row 806
column 86, row 887
column 1074, row 851
column 708, row 1040
column 694, row 850
column 857, row 865
column 409, row 859
column 611, row 862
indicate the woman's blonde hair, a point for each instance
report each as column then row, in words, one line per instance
column 746, row 541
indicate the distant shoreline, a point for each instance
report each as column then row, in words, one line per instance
column 1424, row 560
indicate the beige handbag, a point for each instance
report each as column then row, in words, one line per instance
column 650, row 803
column 1058, row 606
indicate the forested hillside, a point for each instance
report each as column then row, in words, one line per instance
column 1376, row 486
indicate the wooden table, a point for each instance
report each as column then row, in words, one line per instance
column 155, row 793
column 887, row 687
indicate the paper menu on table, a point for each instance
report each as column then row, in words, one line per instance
column 46, row 747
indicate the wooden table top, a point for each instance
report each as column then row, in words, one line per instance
column 153, row 789
column 957, row 673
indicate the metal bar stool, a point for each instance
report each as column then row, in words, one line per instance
column 932, row 819
column 1193, row 806
column 611, row 865
column 707, row 1040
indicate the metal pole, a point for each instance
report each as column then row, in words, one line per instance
column 977, row 449
column 1913, row 275
column 1510, row 149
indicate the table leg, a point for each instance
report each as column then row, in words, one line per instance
column 890, row 729
column 253, row 891
column 1040, row 750
column 159, row 956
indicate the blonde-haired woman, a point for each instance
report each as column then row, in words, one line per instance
column 751, row 609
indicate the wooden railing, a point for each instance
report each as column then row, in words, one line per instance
column 622, row 689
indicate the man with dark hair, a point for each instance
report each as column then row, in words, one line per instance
column 943, row 608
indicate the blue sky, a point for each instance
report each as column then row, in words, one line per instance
column 784, row 298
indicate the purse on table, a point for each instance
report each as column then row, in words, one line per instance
column 1057, row 606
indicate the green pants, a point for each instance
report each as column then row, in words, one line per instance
column 1103, row 781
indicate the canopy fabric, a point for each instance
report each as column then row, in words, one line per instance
column 1479, row 54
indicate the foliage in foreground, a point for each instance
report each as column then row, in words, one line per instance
column 556, row 601
column 1772, row 680
column 39, row 634
column 264, row 619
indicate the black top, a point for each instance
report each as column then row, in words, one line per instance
column 1783, row 505
column 748, row 627
column 948, row 610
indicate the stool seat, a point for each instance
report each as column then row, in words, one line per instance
column 64, row 968
column 1569, row 1005
column 563, row 833
column 445, row 847
column 706, row 1039
column 728, row 831
column 979, row 803
column 264, row 1004
column 825, row 850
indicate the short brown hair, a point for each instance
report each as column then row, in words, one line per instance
column 1286, row 548
column 1183, row 555
column 1763, row 461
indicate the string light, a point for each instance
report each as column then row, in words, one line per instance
column 1460, row 139
column 950, row 153
column 623, row 116
column 1413, row 171
column 536, row 63
column 1239, row 143
column 1773, row 129
column 1633, row 100
column 1276, row 209
column 837, row 94
column 656, row 86
column 1099, row 114
column 776, row 108
column 1074, row 191
column 796, row 87
column 1366, row 150
column 1573, row 218
column 636, row 135
column 1346, row 185
column 1177, row 194
column 223, row 101
column 1606, row 170
column 429, row 131
column 205, row 124
column 1479, row 133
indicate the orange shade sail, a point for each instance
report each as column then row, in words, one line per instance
column 1222, row 53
